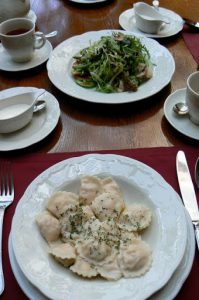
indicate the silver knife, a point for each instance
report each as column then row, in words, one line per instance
column 187, row 191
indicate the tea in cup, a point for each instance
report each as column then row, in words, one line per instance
column 192, row 97
column 19, row 38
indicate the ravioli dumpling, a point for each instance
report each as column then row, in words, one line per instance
column 126, row 237
column 83, row 268
column 73, row 220
column 110, row 270
column 93, row 251
column 64, row 253
column 91, row 187
column 135, row 217
column 102, row 231
column 87, row 212
column 49, row 226
column 59, row 201
column 107, row 206
column 135, row 259
column 110, row 186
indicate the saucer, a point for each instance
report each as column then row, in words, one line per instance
column 41, row 125
column 168, row 292
column 180, row 123
column 39, row 57
column 127, row 22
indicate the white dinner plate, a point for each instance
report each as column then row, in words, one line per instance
column 167, row 235
column 29, row 290
column 87, row 1
column 127, row 22
column 61, row 59
column 182, row 124
column 168, row 292
column 39, row 57
column 41, row 125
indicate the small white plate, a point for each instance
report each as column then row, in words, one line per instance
column 40, row 126
column 127, row 22
column 181, row 123
column 87, row 1
column 60, row 63
column 39, row 57
column 167, row 234
column 168, row 292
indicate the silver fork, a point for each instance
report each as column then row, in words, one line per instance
column 6, row 198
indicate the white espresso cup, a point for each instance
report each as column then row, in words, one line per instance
column 19, row 38
column 192, row 97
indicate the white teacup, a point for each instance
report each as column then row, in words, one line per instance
column 192, row 97
column 19, row 38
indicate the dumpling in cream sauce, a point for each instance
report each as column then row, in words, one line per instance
column 135, row 217
column 83, row 268
column 73, row 221
column 110, row 270
column 95, row 252
column 49, row 226
column 135, row 259
column 107, row 206
column 91, row 187
column 59, row 201
column 63, row 253
column 110, row 186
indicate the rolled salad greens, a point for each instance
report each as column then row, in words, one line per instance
column 115, row 63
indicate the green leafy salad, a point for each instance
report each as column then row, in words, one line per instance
column 115, row 63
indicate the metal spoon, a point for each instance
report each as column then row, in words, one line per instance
column 50, row 34
column 181, row 108
column 191, row 23
column 40, row 104
column 155, row 4
column 197, row 172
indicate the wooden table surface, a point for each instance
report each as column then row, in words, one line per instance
column 88, row 126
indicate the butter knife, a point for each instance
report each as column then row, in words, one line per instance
column 187, row 191
column 193, row 24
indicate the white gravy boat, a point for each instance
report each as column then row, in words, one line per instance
column 13, row 9
column 148, row 19
column 17, row 111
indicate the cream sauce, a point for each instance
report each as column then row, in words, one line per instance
column 13, row 111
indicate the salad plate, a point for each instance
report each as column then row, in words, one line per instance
column 127, row 22
column 136, row 180
column 168, row 292
column 183, row 123
column 61, row 59
column 39, row 57
column 41, row 125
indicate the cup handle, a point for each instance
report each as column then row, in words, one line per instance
column 40, row 40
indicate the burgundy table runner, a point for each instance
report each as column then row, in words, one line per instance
column 26, row 168
column 191, row 38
